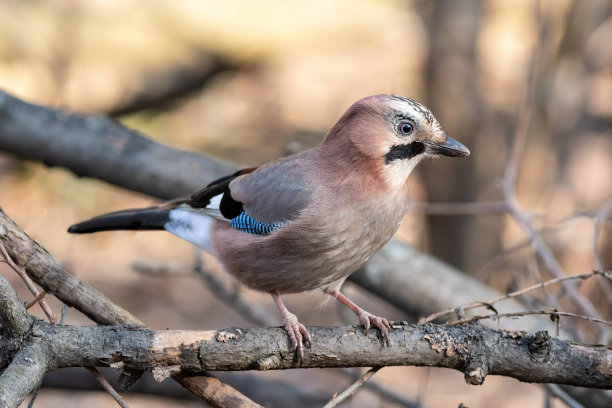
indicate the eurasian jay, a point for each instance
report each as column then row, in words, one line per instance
column 307, row 221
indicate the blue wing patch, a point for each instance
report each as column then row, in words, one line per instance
column 247, row 224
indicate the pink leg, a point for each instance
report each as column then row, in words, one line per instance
column 296, row 330
column 365, row 318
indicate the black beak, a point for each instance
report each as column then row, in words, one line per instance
column 450, row 148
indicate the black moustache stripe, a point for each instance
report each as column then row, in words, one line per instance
column 404, row 151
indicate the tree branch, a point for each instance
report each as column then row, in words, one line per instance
column 472, row 349
column 25, row 361
column 99, row 147
column 46, row 272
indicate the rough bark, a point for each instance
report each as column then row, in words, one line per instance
column 46, row 272
column 472, row 349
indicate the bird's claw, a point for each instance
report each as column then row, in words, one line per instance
column 297, row 333
column 367, row 319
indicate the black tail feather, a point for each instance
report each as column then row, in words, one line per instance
column 153, row 218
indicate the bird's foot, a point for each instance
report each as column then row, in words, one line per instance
column 297, row 333
column 367, row 319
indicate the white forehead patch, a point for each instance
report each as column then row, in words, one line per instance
column 402, row 104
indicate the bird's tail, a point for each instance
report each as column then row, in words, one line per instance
column 153, row 218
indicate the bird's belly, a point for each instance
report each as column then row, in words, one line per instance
column 296, row 262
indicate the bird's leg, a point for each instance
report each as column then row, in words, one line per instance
column 297, row 331
column 366, row 318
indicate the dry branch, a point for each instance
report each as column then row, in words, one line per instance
column 472, row 349
column 46, row 272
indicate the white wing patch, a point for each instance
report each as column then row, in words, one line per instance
column 212, row 209
column 191, row 225
column 215, row 202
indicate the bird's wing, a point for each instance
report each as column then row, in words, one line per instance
column 274, row 193
column 216, row 199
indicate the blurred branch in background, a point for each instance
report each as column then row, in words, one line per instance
column 179, row 82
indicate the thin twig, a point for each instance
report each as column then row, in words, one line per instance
column 350, row 391
column 36, row 300
column 382, row 391
column 229, row 297
column 599, row 219
column 511, row 172
column 35, row 393
column 107, row 387
column 472, row 305
column 552, row 312
column 526, row 243
column 64, row 312
column 551, row 262
column 557, row 392
column 31, row 287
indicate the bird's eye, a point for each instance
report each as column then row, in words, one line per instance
column 405, row 128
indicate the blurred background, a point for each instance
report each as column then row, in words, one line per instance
column 253, row 81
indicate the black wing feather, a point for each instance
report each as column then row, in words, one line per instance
column 229, row 207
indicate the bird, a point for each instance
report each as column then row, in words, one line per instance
column 307, row 221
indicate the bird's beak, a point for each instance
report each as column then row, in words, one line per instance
column 451, row 148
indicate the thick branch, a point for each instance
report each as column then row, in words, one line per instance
column 14, row 320
column 25, row 361
column 72, row 291
column 102, row 148
column 471, row 349
column 23, row 373
column 46, row 272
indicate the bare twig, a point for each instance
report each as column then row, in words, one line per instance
column 31, row 287
column 552, row 312
column 526, row 243
column 556, row 391
column 525, row 111
column 35, row 393
column 352, row 390
column 107, row 387
column 383, row 391
column 472, row 305
column 511, row 173
column 599, row 219
column 230, row 297
column 215, row 392
column 36, row 300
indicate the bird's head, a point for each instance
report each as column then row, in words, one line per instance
column 396, row 133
